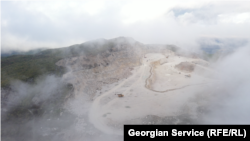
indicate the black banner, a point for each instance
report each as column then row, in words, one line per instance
column 163, row 132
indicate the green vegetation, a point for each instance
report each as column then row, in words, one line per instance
column 28, row 67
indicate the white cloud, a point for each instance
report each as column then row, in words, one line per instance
column 94, row 7
column 143, row 11
column 4, row 23
column 42, row 23
column 235, row 18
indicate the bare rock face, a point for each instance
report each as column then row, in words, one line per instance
column 88, row 72
column 185, row 66
column 202, row 63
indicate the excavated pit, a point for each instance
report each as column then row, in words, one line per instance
column 185, row 66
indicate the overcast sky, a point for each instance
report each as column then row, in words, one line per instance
column 186, row 23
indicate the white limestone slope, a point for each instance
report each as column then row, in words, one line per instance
column 156, row 88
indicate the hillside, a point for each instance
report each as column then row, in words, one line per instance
column 58, row 82
column 29, row 67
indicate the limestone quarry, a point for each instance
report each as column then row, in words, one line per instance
column 135, row 84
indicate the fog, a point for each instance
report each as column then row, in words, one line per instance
column 38, row 112
column 192, row 26
column 224, row 102
column 229, row 104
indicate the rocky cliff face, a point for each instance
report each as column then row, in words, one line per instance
column 89, row 72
